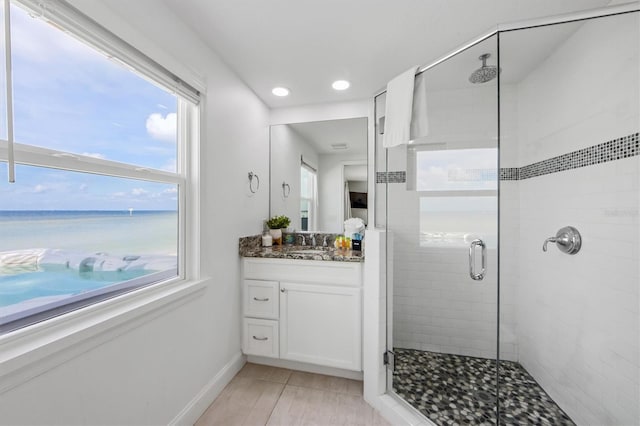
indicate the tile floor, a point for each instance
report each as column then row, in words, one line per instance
column 460, row 390
column 263, row 395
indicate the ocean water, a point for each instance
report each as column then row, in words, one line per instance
column 111, row 231
column 112, row 234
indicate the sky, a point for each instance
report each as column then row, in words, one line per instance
column 71, row 98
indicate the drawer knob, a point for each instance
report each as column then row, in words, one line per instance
column 266, row 299
column 260, row 338
column 282, row 290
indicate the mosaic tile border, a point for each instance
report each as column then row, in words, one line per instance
column 391, row 177
column 509, row 173
column 616, row 149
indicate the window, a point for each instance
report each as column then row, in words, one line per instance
column 308, row 197
column 458, row 193
column 100, row 147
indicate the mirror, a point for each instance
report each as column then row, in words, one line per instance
column 318, row 173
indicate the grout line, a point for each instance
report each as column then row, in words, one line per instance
column 284, row 385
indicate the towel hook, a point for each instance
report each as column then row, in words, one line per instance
column 251, row 176
column 286, row 190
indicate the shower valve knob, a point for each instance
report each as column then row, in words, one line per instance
column 567, row 239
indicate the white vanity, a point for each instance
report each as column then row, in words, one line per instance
column 306, row 311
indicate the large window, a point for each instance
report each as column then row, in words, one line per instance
column 100, row 142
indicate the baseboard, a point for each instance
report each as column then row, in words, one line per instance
column 198, row 405
column 303, row 366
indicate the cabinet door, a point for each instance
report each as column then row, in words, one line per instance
column 321, row 324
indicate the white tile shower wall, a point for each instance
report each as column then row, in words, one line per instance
column 578, row 316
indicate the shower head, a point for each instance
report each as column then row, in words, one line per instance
column 485, row 73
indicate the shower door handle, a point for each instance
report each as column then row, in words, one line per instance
column 472, row 260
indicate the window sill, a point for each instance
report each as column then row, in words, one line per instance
column 33, row 350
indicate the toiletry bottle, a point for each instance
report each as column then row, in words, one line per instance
column 356, row 242
column 267, row 240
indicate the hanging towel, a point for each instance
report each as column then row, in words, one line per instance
column 419, row 122
column 405, row 109
column 398, row 107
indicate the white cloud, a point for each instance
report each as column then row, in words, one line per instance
column 170, row 165
column 95, row 155
column 163, row 128
column 83, row 187
column 170, row 191
column 139, row 192
column 38, row 189
column 162, row 106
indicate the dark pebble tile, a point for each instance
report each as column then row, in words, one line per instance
column 454, row 389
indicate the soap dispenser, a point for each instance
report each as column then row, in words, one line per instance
column 267, row 240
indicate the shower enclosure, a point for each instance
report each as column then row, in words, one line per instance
column 531, row 129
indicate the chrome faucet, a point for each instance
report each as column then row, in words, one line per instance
column 313, row 239
column 304, row 240
column 324, row 241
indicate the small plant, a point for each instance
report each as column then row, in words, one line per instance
column 278, row 222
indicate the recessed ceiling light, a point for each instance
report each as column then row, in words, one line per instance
column 341, row 85
column 280, row 91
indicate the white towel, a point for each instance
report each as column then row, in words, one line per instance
column 419, row 122
column 398, row 107
column 405, row 109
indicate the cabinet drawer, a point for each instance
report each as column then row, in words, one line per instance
column 261, row 337
column 261, row 299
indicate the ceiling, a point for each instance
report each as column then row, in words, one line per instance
column 322, row 134
column 306, row 45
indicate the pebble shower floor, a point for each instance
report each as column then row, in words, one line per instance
column 460, row 390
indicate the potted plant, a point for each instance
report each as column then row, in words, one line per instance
column 276, row 224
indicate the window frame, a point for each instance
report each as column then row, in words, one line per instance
column 412, row 177
column 313, row 201
column 186, row 178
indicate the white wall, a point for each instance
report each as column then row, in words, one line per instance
column 331, row 189
column 286, row 148
column 149, row 374
column 577, row 316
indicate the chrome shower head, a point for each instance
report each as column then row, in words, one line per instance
column 485, row 73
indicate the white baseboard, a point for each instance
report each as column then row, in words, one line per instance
column 398, row 412
column 303, row 366
column 199, row 404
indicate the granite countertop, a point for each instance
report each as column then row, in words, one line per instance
column 251, row 247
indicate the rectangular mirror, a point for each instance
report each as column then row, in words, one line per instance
column 318, row 173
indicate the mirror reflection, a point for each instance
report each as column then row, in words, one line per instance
column 318, row 174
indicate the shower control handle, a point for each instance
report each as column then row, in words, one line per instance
column 548, row 240
column 472, row 260
column 567, row 239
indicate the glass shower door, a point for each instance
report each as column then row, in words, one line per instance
column 570, row 117
column 442, row 219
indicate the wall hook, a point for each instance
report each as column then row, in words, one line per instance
column 286, row 189
column 251, row 176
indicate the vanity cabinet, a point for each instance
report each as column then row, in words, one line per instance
column 305, row 311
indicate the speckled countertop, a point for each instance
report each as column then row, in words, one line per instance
column 252, row 247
